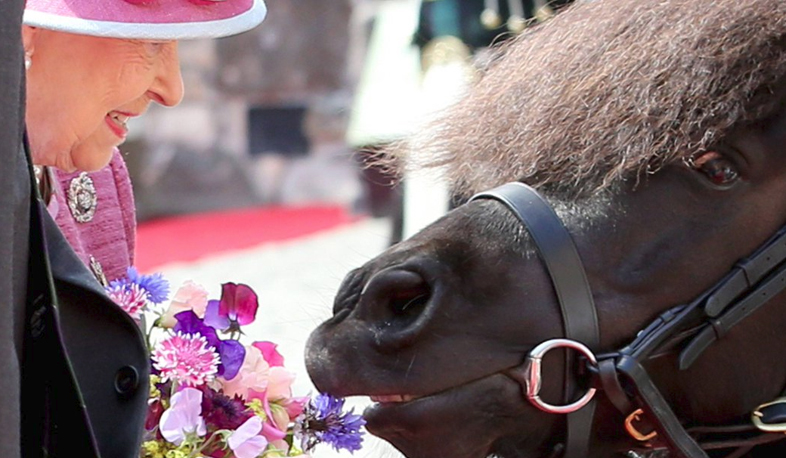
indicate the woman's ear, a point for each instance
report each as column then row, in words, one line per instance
column 28, row 39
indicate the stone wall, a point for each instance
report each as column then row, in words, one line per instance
column 196, row 156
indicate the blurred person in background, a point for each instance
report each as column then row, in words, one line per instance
column 456, row 40
column 90, row 67
column 481, row 23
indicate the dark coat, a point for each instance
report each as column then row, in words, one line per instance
column 85, row 366
column 14, row 211
column 85, row 370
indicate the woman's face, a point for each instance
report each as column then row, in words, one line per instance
column 81, row 90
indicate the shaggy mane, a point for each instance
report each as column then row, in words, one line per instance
column 608, row 90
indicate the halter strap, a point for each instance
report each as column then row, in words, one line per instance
column 752, row 282
column 559, row 254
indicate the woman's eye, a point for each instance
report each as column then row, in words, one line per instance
column 717, row 168
column 154, row 47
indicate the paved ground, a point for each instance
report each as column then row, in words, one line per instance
column 296, row 282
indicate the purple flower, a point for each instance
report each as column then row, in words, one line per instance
column 324, row 421
column 237, row 307
column 213, row 319
column 221, row 411
column 231, row 352
column 155, row 285
column 183, row 417
column 232, row 355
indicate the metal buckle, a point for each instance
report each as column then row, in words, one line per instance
column 635, row 433
column 757, row 415
column 534, row 381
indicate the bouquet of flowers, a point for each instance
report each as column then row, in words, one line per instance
column 213, row 395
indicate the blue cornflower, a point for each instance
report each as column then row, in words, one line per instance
column 156, row 286
column 324, row 421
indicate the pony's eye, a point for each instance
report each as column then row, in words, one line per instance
column 716, row 167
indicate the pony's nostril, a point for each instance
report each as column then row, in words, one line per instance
column 409, row 301
column 396, row 297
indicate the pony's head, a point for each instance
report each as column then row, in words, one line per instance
column 657, row 131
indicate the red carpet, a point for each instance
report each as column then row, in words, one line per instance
column 191, row 237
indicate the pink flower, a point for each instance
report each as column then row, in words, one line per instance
column 190, row 296
column 237, row 307
column 295, row 406
column 183, row 416
column 279, row 385
column 270, row 353
column 245, row 441
column 130, row 298
column 279, row 417
column 253, row 375
column 272, row 433
column 185, row 358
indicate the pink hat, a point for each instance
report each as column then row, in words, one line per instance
column 146, row 19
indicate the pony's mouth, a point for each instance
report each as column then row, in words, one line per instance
column 399, row 411
column 399, row 404
column 460, row 422
column 394, row 399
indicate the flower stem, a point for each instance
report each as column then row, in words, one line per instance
column 199, row 449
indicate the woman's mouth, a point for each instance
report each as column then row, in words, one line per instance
column 117, row 123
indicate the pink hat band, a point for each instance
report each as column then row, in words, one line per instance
column 146, row 19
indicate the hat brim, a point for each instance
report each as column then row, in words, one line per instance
column 242, row 22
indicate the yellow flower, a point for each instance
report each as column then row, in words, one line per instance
column 256, row 406
column 152, row 449
column 154, row 391
column 176, row 454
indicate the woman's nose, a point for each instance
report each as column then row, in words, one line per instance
column 167, row 87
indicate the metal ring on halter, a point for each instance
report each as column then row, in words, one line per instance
column 533, row 379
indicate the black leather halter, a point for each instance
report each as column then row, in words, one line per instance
column 566, row 270
column 694, row 326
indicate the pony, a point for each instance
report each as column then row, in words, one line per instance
column 656, row 130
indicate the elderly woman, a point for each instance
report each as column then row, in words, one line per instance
column 91, row 66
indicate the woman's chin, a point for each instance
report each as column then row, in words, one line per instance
column 88, row 159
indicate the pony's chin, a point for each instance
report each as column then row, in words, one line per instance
column 461, row 422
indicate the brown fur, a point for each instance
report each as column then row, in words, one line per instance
column 610, row 89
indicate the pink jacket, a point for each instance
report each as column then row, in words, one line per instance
column 110, row 236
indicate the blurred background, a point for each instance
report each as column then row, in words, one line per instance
column 261, row 175
column 265, row 117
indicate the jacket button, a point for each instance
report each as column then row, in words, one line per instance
column 126, row 381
